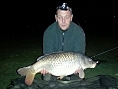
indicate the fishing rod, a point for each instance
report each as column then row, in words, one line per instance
column 103, row 52
column 76, row 21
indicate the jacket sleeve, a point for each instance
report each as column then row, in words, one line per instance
column 48, row 42
column 80, row 42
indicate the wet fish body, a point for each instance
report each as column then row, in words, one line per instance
column 58, row 64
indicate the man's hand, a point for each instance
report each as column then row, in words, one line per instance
column 44, row 72
column 77, row 71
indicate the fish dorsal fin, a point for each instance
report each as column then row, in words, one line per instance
column 41, row 57
column 81, row 73
column 46, row 55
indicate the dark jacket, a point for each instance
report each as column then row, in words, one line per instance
column 55, row 40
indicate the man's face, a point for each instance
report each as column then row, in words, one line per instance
column 63, row 18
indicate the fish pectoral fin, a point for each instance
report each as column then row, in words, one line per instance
column 60, row 77
column 29, row 78
column 81, row 73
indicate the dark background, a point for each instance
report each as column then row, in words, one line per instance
column 31, row 17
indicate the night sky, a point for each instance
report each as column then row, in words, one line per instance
column 27, row 17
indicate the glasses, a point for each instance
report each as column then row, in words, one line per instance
column 64, row 6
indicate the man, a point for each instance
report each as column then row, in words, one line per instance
column 63, row 35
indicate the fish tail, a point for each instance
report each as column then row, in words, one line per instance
column 29, row 79
column 29, row 73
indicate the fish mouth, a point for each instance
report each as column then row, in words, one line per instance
column 94, row 65
column 97, row 62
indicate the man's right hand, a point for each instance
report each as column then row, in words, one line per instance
column 44, row 72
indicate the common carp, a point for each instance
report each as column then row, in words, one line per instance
column 58, row 64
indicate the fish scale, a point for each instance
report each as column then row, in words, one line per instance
column 58, row 64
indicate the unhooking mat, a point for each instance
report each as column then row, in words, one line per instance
column 97, row 82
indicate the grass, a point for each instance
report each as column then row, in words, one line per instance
column 20, row 52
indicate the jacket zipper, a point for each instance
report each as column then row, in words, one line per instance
column 63, row 42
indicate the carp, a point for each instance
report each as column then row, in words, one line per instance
column 59, row 64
